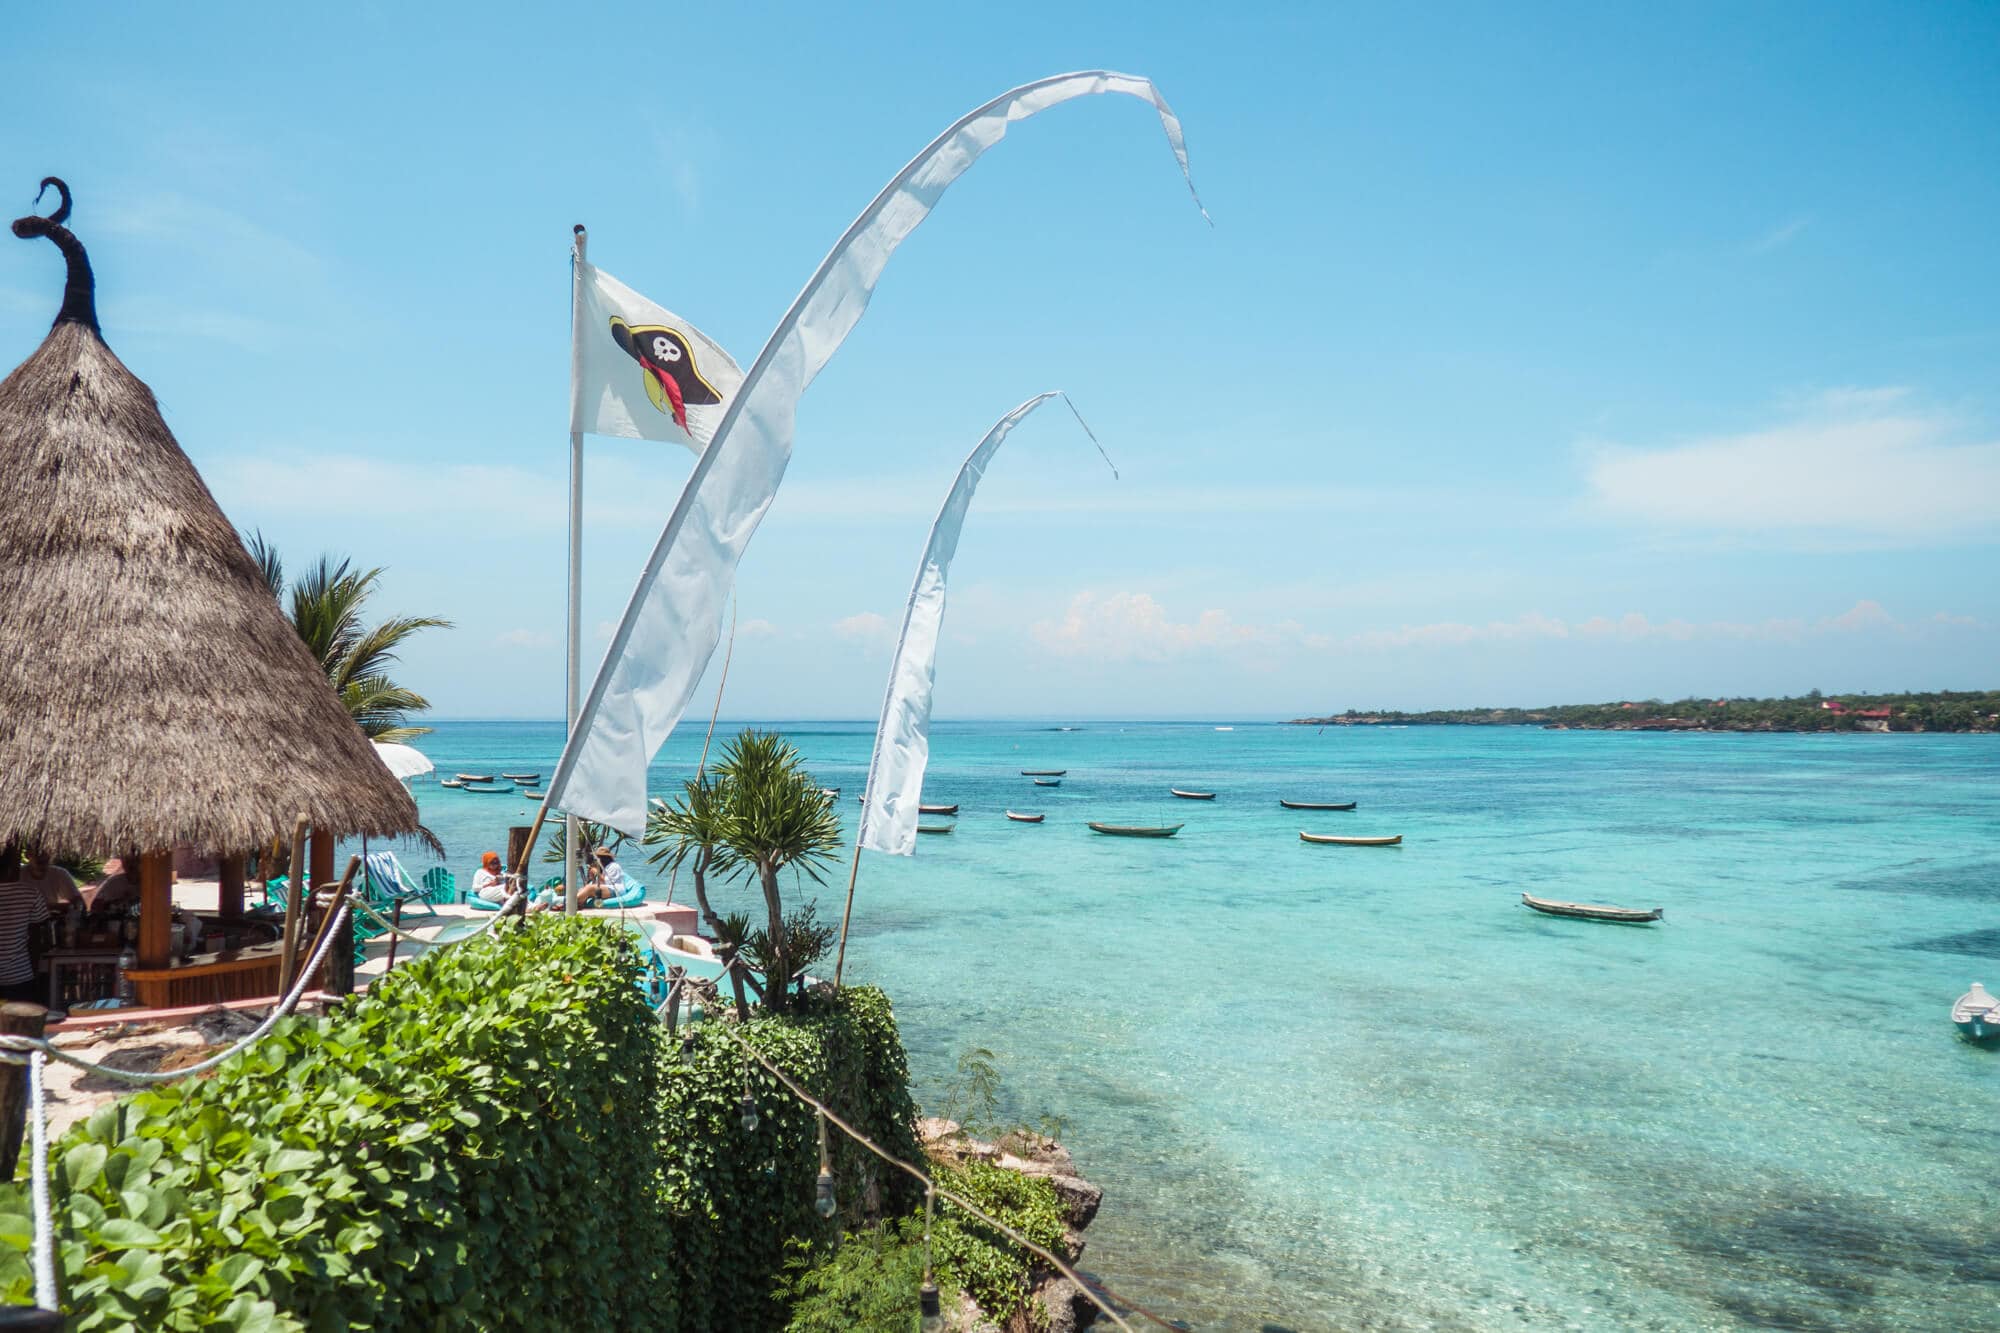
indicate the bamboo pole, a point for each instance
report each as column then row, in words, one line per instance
column 295, row 882
column 332, row 910
column 840, row 959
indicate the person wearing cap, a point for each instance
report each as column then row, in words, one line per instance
column 487, row 881
column 607, row 879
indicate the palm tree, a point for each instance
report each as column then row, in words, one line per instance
column 326, row 607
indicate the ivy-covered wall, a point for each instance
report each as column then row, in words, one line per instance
column 498, row 1136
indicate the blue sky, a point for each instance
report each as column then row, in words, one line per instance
column 1535, row 355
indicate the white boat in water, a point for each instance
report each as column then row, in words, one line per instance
column 1977, row 1014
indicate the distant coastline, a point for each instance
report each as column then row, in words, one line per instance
column 1951, row 711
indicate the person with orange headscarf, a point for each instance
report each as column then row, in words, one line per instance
column 488, row 882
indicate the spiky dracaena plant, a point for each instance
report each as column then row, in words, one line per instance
column 326, row 607
column 756, row 814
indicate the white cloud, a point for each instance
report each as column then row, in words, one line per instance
column 756, row 629
column 523, row 638
column 1864, row 617
column 1125, row 626
column 1780, row 236
column 624, row 494
column 862, row 627
column 1856, row 461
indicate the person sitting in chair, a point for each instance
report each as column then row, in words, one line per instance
column 488, row 881
column 607, row 879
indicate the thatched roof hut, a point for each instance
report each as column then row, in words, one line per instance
column 153, row 691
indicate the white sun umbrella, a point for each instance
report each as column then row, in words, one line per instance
column 404, row 761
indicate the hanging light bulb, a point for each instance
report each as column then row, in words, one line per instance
column 823, row 1201
column 747, row 1108
column 930, row 1320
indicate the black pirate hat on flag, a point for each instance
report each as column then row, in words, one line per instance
column 667, row 359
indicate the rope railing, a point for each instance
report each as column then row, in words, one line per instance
column 1091, row 1290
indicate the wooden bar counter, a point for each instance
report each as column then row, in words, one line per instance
column 209, row 978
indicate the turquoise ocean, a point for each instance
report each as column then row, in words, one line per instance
column 1340, row 1088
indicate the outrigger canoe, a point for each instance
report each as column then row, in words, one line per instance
column 1332, row 840
column 523, row 777
column 1048, row 782
column 475, row 777
column 1627, row 916
column 1192, row 795
column 1043, row 772
column 1977, row 1015
column 937, row 809
column 1025, row 819
column 488, row 788
column 934, row 828
column 1138, row 830
column 1315, row 805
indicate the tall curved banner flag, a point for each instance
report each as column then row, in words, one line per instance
column 902, row 738
column 674, row 619
column 641, row 371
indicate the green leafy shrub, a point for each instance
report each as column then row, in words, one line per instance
column 739, row 1198
column 463, row 1147
column 868, row 1284
column 980, row 1259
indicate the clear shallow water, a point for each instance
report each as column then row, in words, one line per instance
column 1356, row 1088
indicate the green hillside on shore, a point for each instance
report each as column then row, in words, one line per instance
column 1948, row 710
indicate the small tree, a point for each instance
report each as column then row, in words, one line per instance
column 759, row 813
column 775, row 816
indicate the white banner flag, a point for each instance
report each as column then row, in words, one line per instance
column 642, row 372
column 674, row 619
column 903, row 736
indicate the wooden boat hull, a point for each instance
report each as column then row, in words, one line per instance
column 1043, row 772
column 1331, row 840
column 473, row 777
column 1048, row 782
column 934, row 828
column 488, row 789
column 1622, row 916
column 1192, row 795
column 937, row 809
column 450, row 782
column 1025, row 819
column 1315, row 805
column 1137, row 831
column 1976, row 1015
column 522, row 777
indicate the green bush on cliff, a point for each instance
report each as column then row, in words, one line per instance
column 739, row 1197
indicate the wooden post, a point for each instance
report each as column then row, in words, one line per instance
column 295, row 907
column 340, row 955
column 16, row 1020
column 229, row 893
column 156, row 908
column 521, row 845
column 322, row 858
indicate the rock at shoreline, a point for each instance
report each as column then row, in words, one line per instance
column 1029, row 1154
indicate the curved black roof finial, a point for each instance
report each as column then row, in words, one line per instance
column 80, row 291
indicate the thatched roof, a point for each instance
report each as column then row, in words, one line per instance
column 151, row 690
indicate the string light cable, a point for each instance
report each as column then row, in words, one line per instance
column 932, row 1188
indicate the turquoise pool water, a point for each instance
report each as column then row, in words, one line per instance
column 1356, row 1088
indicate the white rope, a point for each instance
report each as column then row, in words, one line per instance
column 402, row 933
column 38, row 1175
column 13, row 1048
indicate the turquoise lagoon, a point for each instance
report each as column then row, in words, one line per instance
column 1365, row 1089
